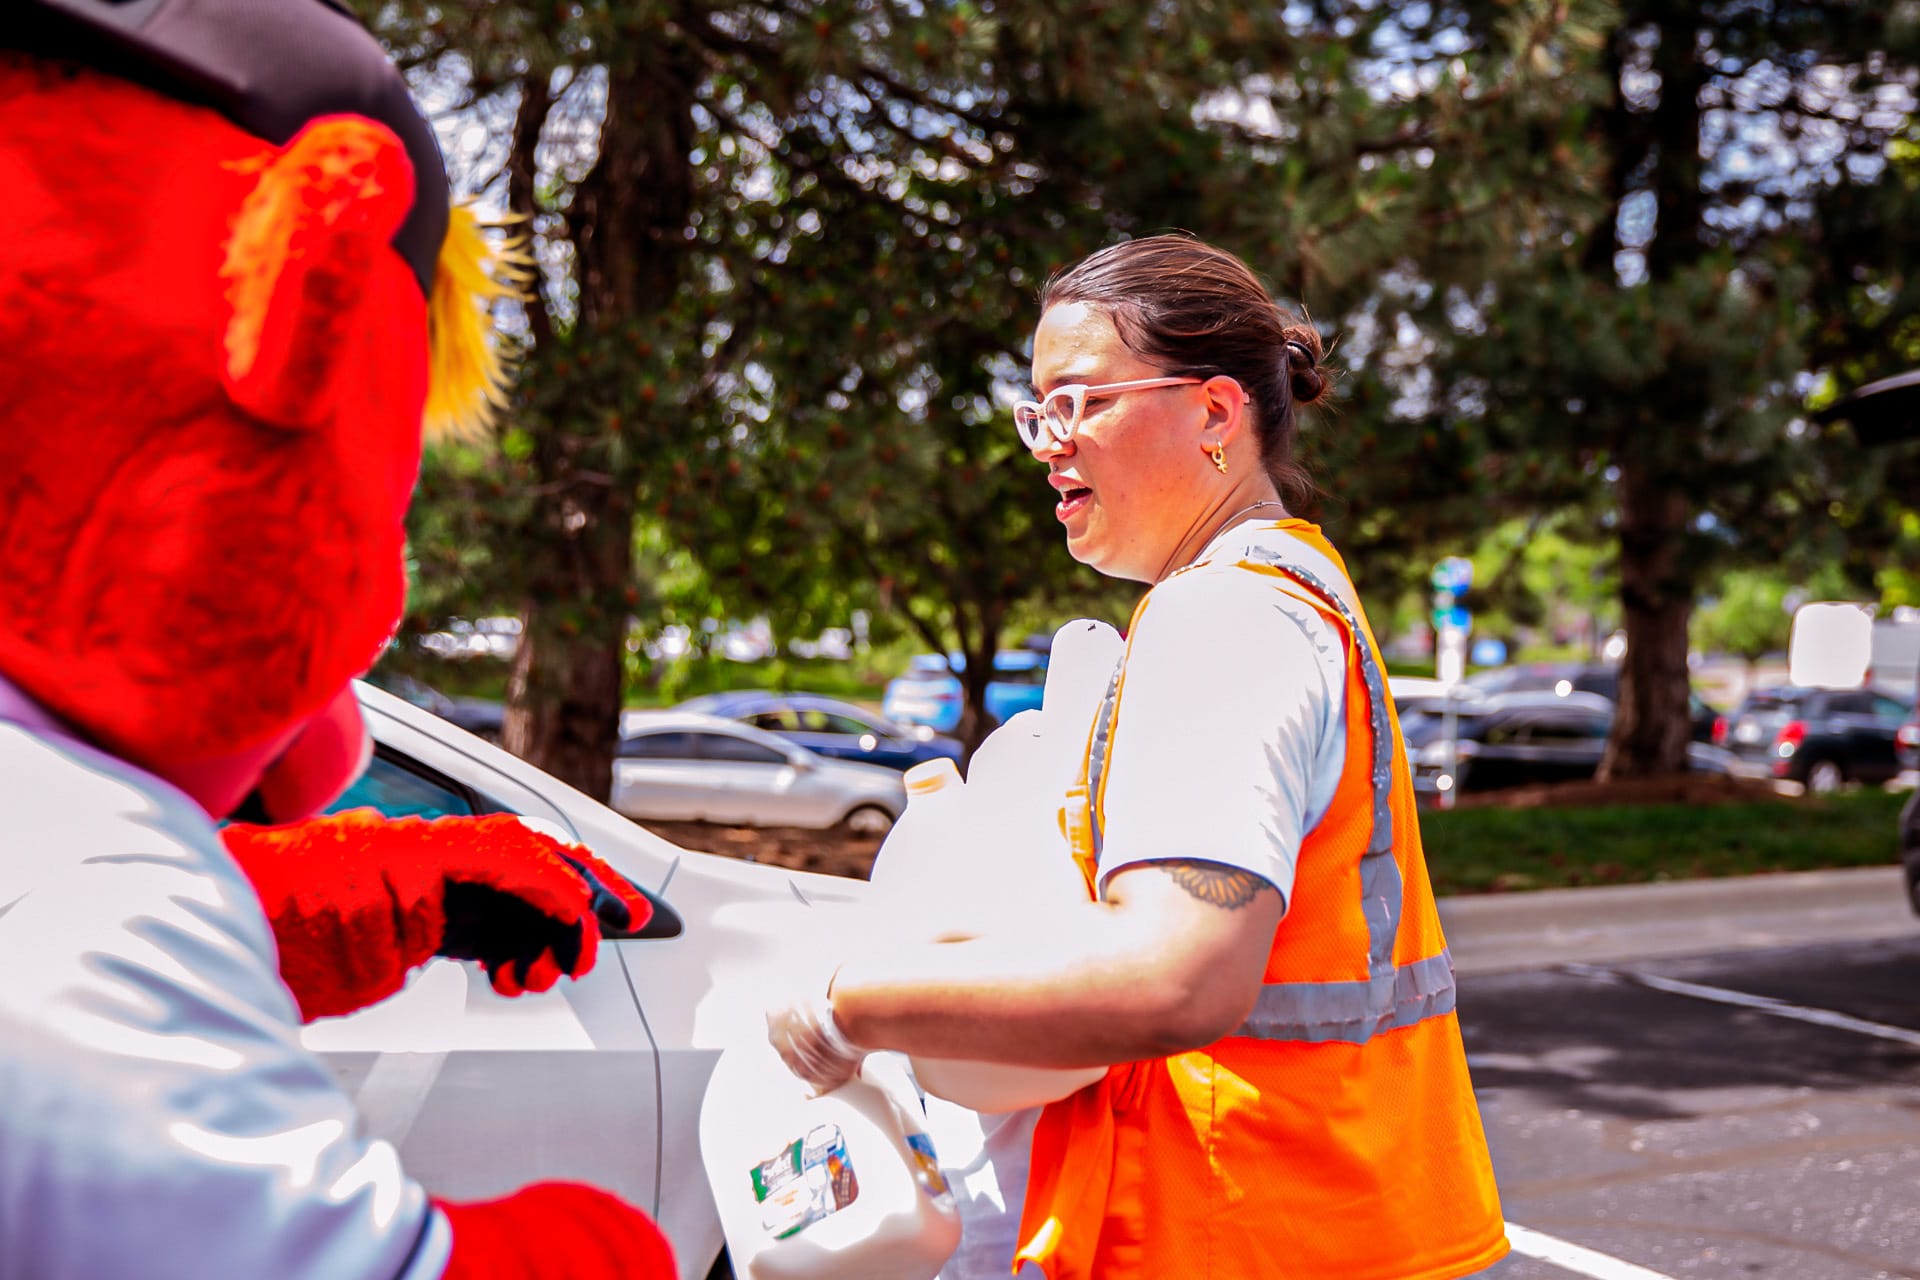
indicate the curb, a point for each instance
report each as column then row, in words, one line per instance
column 1499, row 933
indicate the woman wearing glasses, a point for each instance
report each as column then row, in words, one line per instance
column 1259, row 963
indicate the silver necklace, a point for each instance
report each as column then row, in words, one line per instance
column 1228, row 522
column 1224, row 526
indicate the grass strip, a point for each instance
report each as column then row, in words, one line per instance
column 1492, row 850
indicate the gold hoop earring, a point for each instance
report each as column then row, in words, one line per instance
column 1219, row 452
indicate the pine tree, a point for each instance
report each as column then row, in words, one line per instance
column 790, row 253
column 1651, row 365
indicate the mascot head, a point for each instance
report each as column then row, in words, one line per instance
column 234, row 292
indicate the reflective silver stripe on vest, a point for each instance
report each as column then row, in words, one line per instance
column 1097, row 752
column 1390, row 997
column 1354, row 1012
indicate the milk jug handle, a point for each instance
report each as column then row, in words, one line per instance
column 888, row 1072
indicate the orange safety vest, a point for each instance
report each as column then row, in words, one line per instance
column 1332, row 1136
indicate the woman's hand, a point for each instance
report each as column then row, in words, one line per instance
column 812, row 1044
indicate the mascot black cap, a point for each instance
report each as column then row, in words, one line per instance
column 270, row 66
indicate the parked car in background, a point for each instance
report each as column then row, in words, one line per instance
column 1517, row 739
column 829, row 726
column 607, row 1072
column 1548, row 677
column 1821, row 738
column 1417, row 695
column 930, row 692
column 1906, row 742
column 684, row 766
column 481, row 716
column 1562, row 678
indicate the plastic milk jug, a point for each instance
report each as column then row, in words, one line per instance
column 845, row 1186
column 931, row 821
column 965, row 858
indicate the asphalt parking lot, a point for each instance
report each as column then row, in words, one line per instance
column 1745, row 1113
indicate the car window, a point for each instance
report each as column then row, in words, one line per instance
column 1567, row 729
column 777, row 720
column 1770, row 704
column 1850, row 704
column 827, row 722
column 659, row 746
column 1604, row 683
column 407, row 790
column 723, row 746
column 1503, row 733
column 1891, row 708
column 1023, row 675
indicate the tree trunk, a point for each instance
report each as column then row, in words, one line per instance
column 1651, row 726
column 979, row 647
column 626, row 224
column 566, row 688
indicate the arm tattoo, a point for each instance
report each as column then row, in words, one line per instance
column 1215, row 883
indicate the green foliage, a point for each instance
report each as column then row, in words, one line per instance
column 1644, row 370
column 1487, row 849
column 1749, row 617
column 788, row 256
column 861, row 681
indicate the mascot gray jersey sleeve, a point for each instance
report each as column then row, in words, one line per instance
column 154, row 1080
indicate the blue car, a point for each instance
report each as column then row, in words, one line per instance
column 829, row 726
column 930, row 693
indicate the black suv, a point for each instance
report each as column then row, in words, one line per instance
column 1821, row 738
column 1602, row 678
column 1514, row 739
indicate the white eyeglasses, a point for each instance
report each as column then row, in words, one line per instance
column 1058, row 415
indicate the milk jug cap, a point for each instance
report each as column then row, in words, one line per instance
column 931, row 775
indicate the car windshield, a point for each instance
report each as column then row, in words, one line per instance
column 1764, row 703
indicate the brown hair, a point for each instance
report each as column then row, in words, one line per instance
column 1200, row 311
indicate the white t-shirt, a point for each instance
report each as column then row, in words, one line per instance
column 1231, row 732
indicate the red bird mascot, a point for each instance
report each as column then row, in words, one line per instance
column 233, row 290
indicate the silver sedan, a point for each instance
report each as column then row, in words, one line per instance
column 684, row 766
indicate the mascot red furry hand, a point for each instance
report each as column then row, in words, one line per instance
column 234, row 290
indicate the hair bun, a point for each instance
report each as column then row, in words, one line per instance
column 1306, row 382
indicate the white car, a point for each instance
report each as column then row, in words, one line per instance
column 598, row 1080
column 686, row 766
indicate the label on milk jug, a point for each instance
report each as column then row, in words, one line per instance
column 926, row 1167
column 810, row 1179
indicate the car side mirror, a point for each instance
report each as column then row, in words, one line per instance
column 802, row 764
column 665, row 922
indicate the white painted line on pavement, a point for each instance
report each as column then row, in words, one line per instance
column 1575, row 1258
column 1762, row 1004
